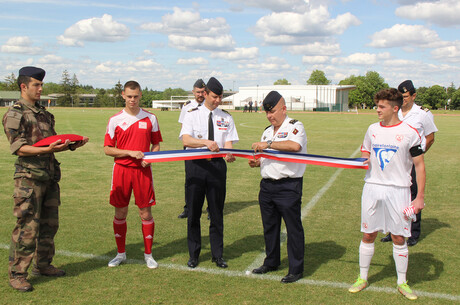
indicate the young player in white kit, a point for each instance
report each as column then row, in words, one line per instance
column 391, row 147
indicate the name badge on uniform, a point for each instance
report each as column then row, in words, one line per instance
column 282, row 135
column 142, row 125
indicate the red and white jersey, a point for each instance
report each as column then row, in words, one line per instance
column 420, row 119
column 138, row 133
column 390, row 161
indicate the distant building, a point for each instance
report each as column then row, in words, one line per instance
column 8, row 98
column 303, row 98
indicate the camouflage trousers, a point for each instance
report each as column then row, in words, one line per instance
column 36, row 205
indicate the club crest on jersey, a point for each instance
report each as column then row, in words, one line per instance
column 282, row 135
column 384, row 155
column 142, row 125
column 399, row 137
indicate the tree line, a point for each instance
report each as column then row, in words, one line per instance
column 70, row 90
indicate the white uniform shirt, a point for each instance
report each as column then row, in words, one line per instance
column 421, row 120
column 195, row 124
column 185, row 108
column 290, row 130
column 390, row 159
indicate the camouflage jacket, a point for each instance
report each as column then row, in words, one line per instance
column 25, row 125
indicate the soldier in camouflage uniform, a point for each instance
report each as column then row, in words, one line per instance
column 36, row 188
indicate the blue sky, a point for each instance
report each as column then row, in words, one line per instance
column 165, row 44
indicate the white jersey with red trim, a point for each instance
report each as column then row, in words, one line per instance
column 137, row 133
column 390, row 161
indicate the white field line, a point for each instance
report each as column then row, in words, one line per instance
column 260, row 258
column 266, row 277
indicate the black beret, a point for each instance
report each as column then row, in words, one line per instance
column 215, row 86
column 37, row 73
column 199, row 84
column 271, row 100
column 406, row 86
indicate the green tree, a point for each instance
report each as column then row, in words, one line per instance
column 455, row 100
column 317, row 77
column 434, row 97
column 282, row 82
column 66, row 85
column 117, row 97
column 11, row 83
column 366, row 87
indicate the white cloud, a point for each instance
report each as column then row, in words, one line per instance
column 274, row 5
column 316, row 48
column 187, row 31
column 361, row 59
column 103, row 29
column 20, row 45
column 271, row 64
column 192, row 61
column 449, row 53
column 403, row 35
column 239, row 54
column 52, row 60
column 291, row 28
column 193, row 43
column 315, row 59
column 443, row 12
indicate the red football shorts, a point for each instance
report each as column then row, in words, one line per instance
column 126, row 179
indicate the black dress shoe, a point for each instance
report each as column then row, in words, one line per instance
column 411, row 241
column 264, row 269
column 291, row 278
column 184, row 214
column 219, row 262
column 386, row 238
column 192, row 262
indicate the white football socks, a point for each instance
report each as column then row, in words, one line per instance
column 366, row 251
column 401, row 257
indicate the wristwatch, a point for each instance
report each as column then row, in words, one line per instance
column 269, row 143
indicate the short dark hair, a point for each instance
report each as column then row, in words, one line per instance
column 23, row 79
column 133, row 85
column 392, row 95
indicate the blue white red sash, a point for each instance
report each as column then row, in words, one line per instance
column 194, row 154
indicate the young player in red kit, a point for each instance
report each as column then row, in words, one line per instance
column 131, row 132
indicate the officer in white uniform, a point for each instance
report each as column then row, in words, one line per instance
column 208, row 127
column 422, row 120
column 280, row 193
column 198, row 92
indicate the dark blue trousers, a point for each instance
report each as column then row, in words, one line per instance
column 206, row 179
column 282, row 199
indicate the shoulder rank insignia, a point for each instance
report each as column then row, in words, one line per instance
column 193, row 109
column 268, row 127
column 187, row 102
column 425, row 109
column 293, row 121
column 226, row 111
column 17, row 106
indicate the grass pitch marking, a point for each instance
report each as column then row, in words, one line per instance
column 231, row 273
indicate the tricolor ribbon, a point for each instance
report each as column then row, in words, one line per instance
column 194, row 154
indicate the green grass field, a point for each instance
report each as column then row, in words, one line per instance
column 331, row 204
